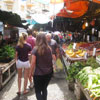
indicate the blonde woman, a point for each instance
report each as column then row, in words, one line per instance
column 22, row 61
column 41, row 65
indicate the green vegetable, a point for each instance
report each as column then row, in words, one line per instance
column 70, row 46
column 7, row 53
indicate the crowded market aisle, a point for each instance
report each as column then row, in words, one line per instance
column 57, row 90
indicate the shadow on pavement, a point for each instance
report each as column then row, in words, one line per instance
column 24, row 97
column 20, row 98
column 6, row 87
column 59, row 79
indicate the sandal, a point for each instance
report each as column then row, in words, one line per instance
column 31, row 86
column 26, row 92
column 18, row 93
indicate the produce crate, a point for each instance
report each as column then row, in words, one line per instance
column 80, row 92
column 7, row 70
column 98, row 60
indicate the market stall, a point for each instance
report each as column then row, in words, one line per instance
column 83, row 71
column 7, row 70
column 7, row 54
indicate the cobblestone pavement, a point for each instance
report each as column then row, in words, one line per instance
column 57, row 90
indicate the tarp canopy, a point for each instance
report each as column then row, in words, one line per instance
column 96, row 1
column 41, row 18
column 74, row 9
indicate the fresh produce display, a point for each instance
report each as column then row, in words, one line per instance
column 89, row 46
column 90, row 79
column 77, row 53
column 87, row 72
column 74, row 68
column 7, row 53
column 84, row 46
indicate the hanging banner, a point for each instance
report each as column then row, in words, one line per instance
column 41, row 18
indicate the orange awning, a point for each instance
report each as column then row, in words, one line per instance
column 74, row 9
column 96, row 1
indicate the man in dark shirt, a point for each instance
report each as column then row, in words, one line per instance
column 53, row 44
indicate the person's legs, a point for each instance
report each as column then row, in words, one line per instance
column 19, row 79
column 26, row 74
column 46, row 80
column 39, row 95
column 44, row 94
column 30, row 79
column 37, row 84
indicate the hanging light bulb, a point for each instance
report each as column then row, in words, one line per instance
column 5, row 25
column 86, row 24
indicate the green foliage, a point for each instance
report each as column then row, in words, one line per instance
column 74, row 69
column 70, row 46
column 6, row 53
column 92, row 62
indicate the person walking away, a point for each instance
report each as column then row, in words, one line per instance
column 42, row 66
column 54, row 46
column 31, row 40
column 22, row 61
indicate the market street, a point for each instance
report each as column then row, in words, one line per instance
column 57, row 90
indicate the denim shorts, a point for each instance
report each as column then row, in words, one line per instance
column 21, row 64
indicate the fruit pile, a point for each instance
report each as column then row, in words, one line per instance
column 75, row 54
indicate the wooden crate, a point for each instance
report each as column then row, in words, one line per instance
column 7, row 70
column 81, row 93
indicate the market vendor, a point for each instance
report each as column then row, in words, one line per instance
column 75, row 37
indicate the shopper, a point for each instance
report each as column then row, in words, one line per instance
column 41, row 65
column 54, row 46
column 31, row 40
column 22, row 61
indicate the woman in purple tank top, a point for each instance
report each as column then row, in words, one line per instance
column 22, row 61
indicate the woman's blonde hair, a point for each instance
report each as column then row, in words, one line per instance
column 22, row 39
column 41, row 43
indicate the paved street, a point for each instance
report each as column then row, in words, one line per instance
column 57, row 90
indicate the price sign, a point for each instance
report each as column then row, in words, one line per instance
column 85, row 55
column 88, row 38
column 94, row 51
column 92, row 30
column 74, row 46
column 99, row 34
